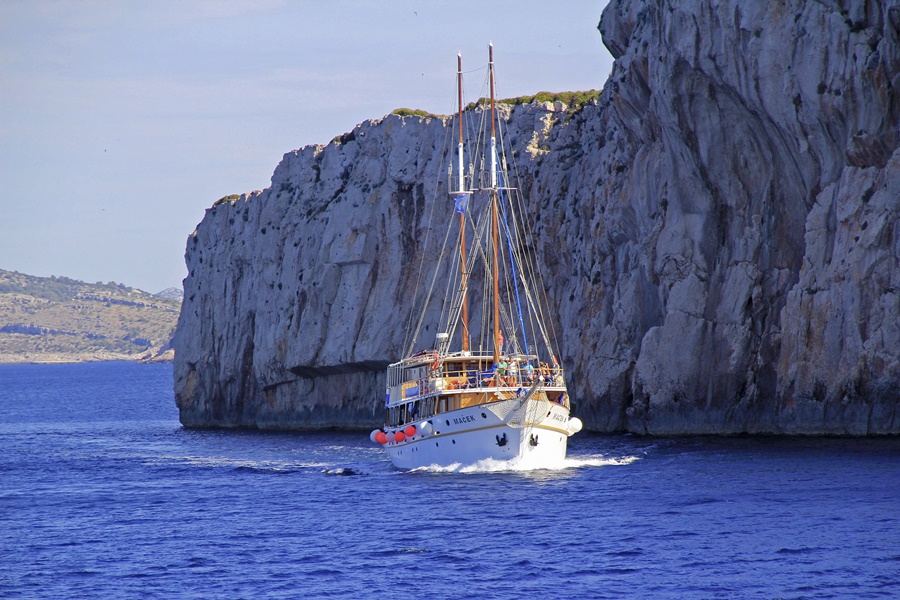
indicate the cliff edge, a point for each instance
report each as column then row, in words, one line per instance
column 721, row 224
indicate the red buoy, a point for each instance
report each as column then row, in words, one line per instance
column 399, row 436
column 380, row 437
column 410, row 430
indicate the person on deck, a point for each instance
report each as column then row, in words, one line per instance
column 529, row 372
column 487, row 377
column 557, row 372
column 545, row 370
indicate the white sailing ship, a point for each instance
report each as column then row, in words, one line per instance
column 497, row 393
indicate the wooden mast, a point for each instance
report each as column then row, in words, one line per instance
column 462, row 215
column 494, row 217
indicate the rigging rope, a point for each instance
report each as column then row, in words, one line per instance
column 522, row 265
column 513, row 268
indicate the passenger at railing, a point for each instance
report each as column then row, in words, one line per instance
column 529, row 373
column 545, row 371
column 557, row 373
column 487, row 377
column 501, row 373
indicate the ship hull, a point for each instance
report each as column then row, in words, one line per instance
column 528, row 434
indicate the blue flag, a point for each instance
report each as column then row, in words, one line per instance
column 461, row 202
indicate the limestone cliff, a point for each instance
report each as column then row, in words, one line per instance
column 722, row 226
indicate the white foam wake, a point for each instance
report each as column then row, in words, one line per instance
column 518, row 465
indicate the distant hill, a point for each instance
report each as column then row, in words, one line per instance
column 57, row 319
column 171, row 293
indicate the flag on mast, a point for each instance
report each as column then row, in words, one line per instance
column 462, row 201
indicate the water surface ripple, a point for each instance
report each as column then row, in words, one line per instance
column 103, row 494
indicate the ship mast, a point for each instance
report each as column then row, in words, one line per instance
column 462, row 214
column 494, row 218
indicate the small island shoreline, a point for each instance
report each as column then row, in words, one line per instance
column 57, row 359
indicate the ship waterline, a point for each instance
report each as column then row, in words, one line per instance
column 477, row 433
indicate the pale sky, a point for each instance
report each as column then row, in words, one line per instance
column 122, row 121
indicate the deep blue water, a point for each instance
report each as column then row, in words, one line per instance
column 103, row 494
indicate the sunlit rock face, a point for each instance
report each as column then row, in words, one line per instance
column 749, row 203
column 717, row 233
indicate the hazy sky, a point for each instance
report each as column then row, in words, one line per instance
column 122, row 121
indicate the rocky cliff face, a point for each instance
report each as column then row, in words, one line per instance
column 722, row 226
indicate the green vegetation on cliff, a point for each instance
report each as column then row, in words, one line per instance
column 573, row 100
column 414, row 112
column 230, row 199
column 57, row 319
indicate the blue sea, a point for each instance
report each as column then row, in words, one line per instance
column 104, row 495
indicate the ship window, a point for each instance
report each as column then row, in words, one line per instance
column 428, row 407
column 393, row 376
column 414, row 374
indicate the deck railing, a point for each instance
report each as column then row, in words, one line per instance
column 475, row 379
column 442, row 381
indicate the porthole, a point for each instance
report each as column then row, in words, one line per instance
column 448, row 423
column 454, row 441
column 483, row 416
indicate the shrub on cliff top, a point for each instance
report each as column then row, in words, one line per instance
column 409, row 112
column 231, row 198
column 574, row 100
